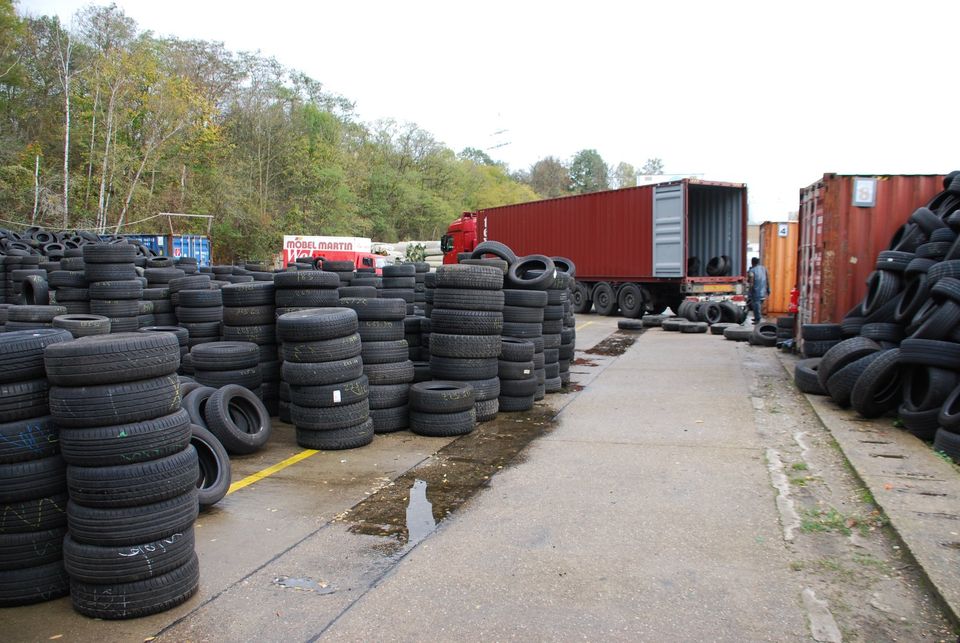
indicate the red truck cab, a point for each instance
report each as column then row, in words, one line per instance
column 461, row 237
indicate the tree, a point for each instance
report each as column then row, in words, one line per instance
column 478, row 156
column 588, row 172
column 549, row 178
column 652, row 166
column 625, row 175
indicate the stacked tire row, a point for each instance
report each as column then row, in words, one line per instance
column 33, row 484
column 518, row 378
column 386, row 365
column 115, row 288
column 159, row 273
column 442, row 409
column 218, row 364
column 32, row 317
column 327, row 387
column 68, row 284
column 466, row 325
column 899, row 349
column 400, row 282
column 528, row 279
column 200, row 311
column 568, row 335
column 420, row 286
column 249, row 315
column 132, row 473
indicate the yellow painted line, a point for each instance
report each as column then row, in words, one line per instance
column 584, row 325
column 269, row 471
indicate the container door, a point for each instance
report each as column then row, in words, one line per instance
column 668, row 231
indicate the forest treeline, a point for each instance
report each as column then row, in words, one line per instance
column 103, row 125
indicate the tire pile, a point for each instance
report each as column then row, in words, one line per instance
column 200, row 311
column 131, row 475
column 33, row 484
column 517, row 373
column 83, row 325
column 442, row 409
column 159, row 273
column 899, row 349
column 466, row 325
column 387, row 368
column 249, row 315
column 399, row 282
column 218, row 364
column 32, row 317
column 324, row 370
column 115, row 288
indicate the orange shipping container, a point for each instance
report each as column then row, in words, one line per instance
column 778, row 254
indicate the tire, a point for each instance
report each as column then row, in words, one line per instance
column 533, row 272
column 258, row 293
column 821, row 332
column 928, row 352
column 922, row 424
column 327, row 350
column 516, row 350
column 487, row 410
column 83, row 325
column 35, row 291
column 109, row 271
column 710, row 312
column 470, row 322
column 701, row 327
column 457, row 299
column 33, row 584
column 525, row 298
column 121, row 403
column 718, row 266
column 390, row 419
column 155, row 594
column 514, row 404
column 915, row 294
column 116, row 290
column 882, row 286
column 239, row 419
column 214, row 466
column 443, row 424
column 515, row 370
column 373, row 309
column 317, row 324
column 132, row 525
column 31, row 549
column 130, row 485
column 631, row 302
column 879, row 387
column 391, row 373
column 927, row 387
column 718, row 329
column 805, row 376
column 249, row 378
column 764, row 335
column 818, row 348
column 322, row 373
column 947, row 443
column 400, row 270
column 582, row 303
column 934, row 249
column 28, row 439
column 454, row 368
column 846, row 352
column 302, row 279
column 882, row 332
column 24, row 400
column 381, row 331
column 385, row 352
column 309, row 298
column 249, row 315
column 927, row 220
column 127, row 443
column 468, row 277
column 106, row 359
column 31, row 479
column 734, row 333
column 225, row 356
column 523, row 314
column 260, row 335
column 519, row 387
column 21, row 353
column 331, row 395
column 496, row 249
column 894, row 260
column 604, row 300
column 442, row 397
column 841, row 383
column 357, row 292
column 388, row 396
column 339, row 439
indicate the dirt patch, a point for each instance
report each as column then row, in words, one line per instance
column 616, row 344
column 582, row 361
column 453, row 475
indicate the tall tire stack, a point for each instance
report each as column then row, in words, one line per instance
column 568, row 335
column 535, row 274
column 249, row 315
column 32, row 317
column 343, row 269
column 159, row 275
column 442, row 409
column 412, row 327
column 553, row 332
column 466, row 325
column 304, row 289
column 518, row 378
column 400, row 282
column 33, row 484
column 70, row 285
column 13, row 263
column 429, row 284
column 386, row 364
column 201, row 313
column 324, row 370
column 367, row 280
column 132, row 474
column 189, row 265
column 220, row 364
column 420, row 287
column 115, row 287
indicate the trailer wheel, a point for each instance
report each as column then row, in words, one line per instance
column 580, row 296
column 603, row 300
column 631, row 301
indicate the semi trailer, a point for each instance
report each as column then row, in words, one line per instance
column 636, row 250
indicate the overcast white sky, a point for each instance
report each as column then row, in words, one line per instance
column 769, row 93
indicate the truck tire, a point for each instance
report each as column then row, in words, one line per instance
column 710, row 312
column 533, row 272
column 631, row 301
column 580, row 296
column 604, row 300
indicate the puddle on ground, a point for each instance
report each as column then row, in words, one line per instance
column 616, row 344
column 409, row 509
column 303, row 584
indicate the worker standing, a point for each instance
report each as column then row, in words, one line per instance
column 759, row 288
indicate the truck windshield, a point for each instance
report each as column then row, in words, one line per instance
column 446, row 243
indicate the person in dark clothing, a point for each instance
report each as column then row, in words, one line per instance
column 758, row 288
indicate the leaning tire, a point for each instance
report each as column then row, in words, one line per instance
column 239, row 419
column 214, row 464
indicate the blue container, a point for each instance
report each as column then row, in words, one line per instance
column 192, row 245
column 155, row 242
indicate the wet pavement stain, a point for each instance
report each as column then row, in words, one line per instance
column 448, row 479
column 303, row 584
column 616, row 344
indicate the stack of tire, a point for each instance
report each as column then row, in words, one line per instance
column 400, row 282
column 420, row 287
column 466, row 325
column 70, row 284
column 201, row 313
column 189, row 265
column 568, row 336
column 32, row 317
column 343, row 269
column 132, row 473
column 386, row 364
column 33, row 484
column 529, row 275
column 301, row 289
column 159, row 273
column 183, row 337
column 19, row 267
column 249, row 315
column 518, row 378
column 429, row 284
column 219, row 364
column 115, row 288
column 367, row 278
column 327, row 388
column 442, row 409
column 412, row 327
column 902, row 348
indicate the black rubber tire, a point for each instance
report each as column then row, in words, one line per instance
column 443, row 424
column 464, row 346
column 805, row 376
column 841, row 383
column 225, row 356
column 922, row 424
column 139, row 483
column 327, row 350
column 718, row 266
column 349, row 438
column 442, row 397
column 314, row 279
column 894, row 260
column 631, row 302
column 525, row 298
column 28, row 439
column 399, row 270
column 195, row 402
column 387, row 396
column 381, row 331
column 515, row 404
column 33, row 584
column 523, row 314
column 385, row 352
column 214, row 466
column 942, row 270
column 927, row 387
column 30, row 549
column 121, row 403
column 374, row 309
column 882, row 332
column 915, row 294
column 934, row 249
column 821, row 332
column 710, row 312
column 879, row 387
column 702, row 327
column 132, row 525
column 249, row 315
column 389, row 373
column 515, row 349
column 457, row 299
column 307, row 298
column 127, row 443
column 35, row 291
column 469, row 322
column 948, row 443
column 515, row 370
column 533, row 272
column 390, row 419
column 939, row 354
column 258, row 293
column 109, row 253
column 157, row 593
column 818, row 348
column 329, row 418
column 116, row 290
column 453, row 368
column 29, row 479
column 927, row 220
column 496, row 249
column 105, row 359
column 83, row 325
column 321, row 373
column 249, row 378
column 21, row 352
column 938, row 321
column 521, row 387
column 24, row 400
column 239, row 419
column 763, row 335
column 330, row 395
column 260, row 335
column 604, row 301
column 846, row 352
column 468, row 277
column 487, row 410
column 316, row 324
column 882, row 286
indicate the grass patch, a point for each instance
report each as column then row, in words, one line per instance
column 799, row 482
column 799, row 466
column 869, row 561
column 866, row 496
column 821, row 521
